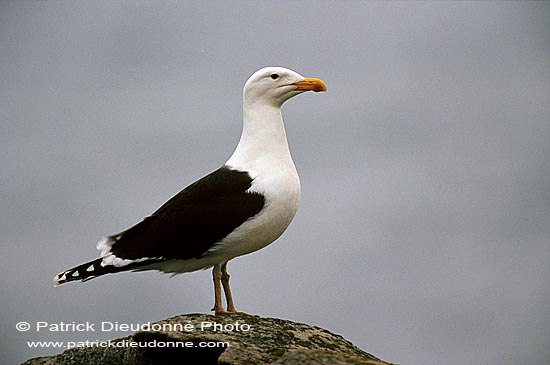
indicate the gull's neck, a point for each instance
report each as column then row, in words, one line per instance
column 263, row 139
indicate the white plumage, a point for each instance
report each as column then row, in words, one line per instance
column 238, row 209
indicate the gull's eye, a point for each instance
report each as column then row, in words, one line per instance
column 274, row 76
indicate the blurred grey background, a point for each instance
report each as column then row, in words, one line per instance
column 424, row 231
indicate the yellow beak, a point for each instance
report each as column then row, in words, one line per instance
column 310, row 83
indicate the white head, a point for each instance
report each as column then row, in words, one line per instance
column 275, row 85
column 263, row 140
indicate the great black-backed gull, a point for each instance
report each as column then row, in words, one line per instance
column 240, row 208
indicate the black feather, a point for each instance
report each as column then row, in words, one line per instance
column 194, row 220
column 92, row 269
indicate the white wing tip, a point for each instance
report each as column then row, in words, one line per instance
column 60, row 279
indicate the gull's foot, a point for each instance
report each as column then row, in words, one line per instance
column 223, row 312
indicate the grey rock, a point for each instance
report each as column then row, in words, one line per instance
column 238, row 339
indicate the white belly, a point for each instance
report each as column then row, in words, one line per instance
column 281, row 190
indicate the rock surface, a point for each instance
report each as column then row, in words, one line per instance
column 229, row 340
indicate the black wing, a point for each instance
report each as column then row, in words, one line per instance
column 194, row 220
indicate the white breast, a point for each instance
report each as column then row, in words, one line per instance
column 279, row 183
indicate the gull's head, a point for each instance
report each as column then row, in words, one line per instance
column 275, row 85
